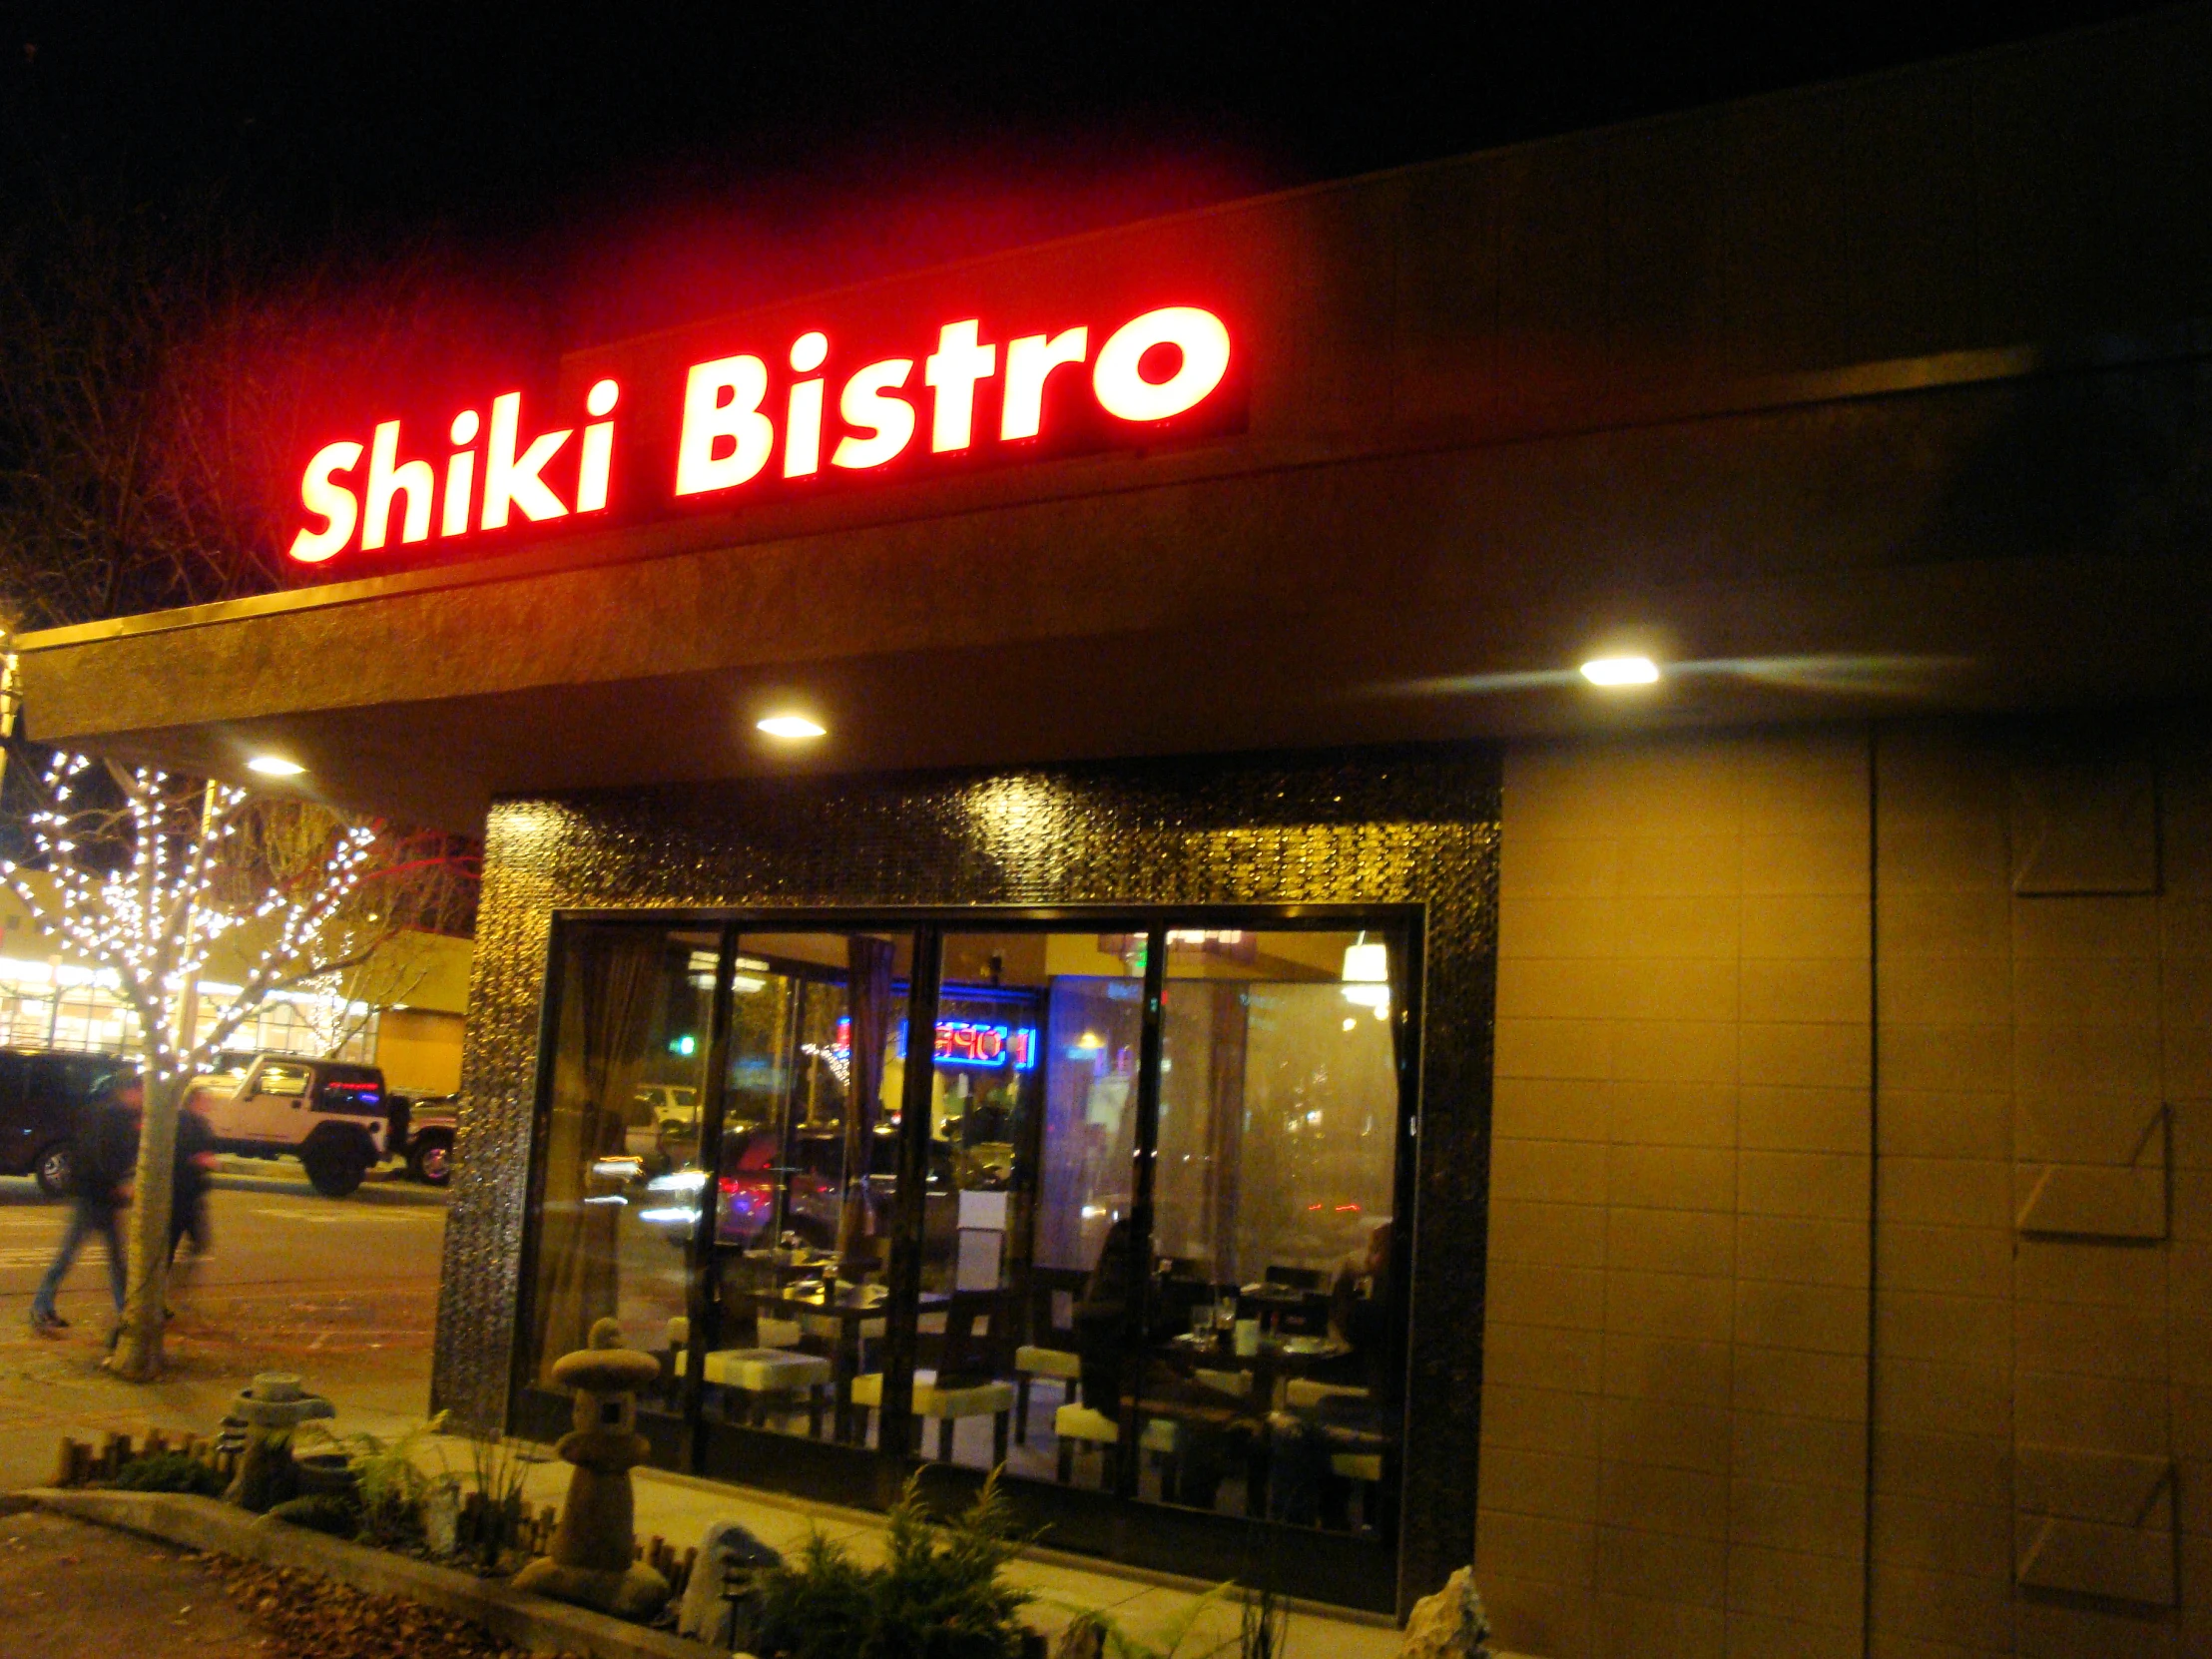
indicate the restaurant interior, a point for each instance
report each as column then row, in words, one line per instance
column 1131, row 1236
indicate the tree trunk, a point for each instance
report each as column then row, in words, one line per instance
column 138, row 1349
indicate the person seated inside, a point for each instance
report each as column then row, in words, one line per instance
column 1216, row 1442
column 1301, row 1488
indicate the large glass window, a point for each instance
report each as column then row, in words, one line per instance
column 629, row 1051
column 1150, row 1245
column 1034, row 1105
column 1269, row 1330
column 807, row 1183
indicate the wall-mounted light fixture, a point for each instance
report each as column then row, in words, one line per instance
column 1611, row 672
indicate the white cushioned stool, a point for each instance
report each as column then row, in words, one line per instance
column 767, row 1373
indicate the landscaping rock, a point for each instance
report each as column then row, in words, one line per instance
column 705, row 1615
column 1450, row 1624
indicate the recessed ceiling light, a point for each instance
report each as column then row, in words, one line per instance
column 275, row 765
column 1620, row 670
column 791, row 725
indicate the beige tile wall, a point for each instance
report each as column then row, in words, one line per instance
column 1675, row 1436
column 1674, row 1416
column 2014, row 1031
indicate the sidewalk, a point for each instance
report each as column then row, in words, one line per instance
column 680, row 1508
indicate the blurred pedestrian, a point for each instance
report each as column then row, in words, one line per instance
column 188, row 1203
column 106, row 1161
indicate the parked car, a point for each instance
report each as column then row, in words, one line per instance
column 670, row 1102
column 332, row 1115
column 813, row 1186
column 41, row 1093
column 429, row 1142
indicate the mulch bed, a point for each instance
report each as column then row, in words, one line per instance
column 304, row 1618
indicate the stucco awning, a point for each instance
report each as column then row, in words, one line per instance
column 1875, row 549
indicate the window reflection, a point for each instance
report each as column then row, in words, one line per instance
column 805, row 1182
column 1232, row 1346
column 626, row 1080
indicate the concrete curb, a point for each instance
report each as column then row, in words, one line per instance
column 526, row 1621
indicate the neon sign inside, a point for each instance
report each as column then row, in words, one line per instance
column 963, row 1042
column 739, row 416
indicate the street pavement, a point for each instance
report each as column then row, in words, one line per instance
column 341, row 1290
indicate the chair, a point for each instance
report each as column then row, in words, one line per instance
column 1354, row 1456
column 1073, row 1426
column 1047, row 1359
column 767, row 1333
column 962, row 1386
column 1302, row 1393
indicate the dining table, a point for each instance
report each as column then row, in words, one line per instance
column 1270, row 1365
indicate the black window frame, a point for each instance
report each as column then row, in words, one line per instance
column 1334, row 1567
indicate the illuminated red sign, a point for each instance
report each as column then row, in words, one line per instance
column 745, row 423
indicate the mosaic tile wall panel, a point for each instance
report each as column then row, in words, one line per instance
column 1367, row 827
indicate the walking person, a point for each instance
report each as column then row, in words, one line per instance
column 187, row 1205
column 107, row 1159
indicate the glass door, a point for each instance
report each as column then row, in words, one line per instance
column 1113, row 1205
column 632, row 1017
column 796, row 1256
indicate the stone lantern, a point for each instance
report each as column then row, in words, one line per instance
column 271, row 1409
column 592, row 1561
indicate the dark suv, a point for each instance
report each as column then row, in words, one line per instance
column 41, row 1093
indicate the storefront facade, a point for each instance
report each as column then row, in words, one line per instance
column 1722, row 1151
column 1261, row 1061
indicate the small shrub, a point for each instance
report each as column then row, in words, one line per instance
column 390, row 1485
column 170, row 1472
column 937, row 1595
column 491, row 1514
column 1097, row 1635
column 816, row 1607
column 321, row 1513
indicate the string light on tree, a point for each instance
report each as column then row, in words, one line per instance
column 143, row 873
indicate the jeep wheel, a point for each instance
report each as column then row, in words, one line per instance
column 55, row 1170
column 334, row 1167
column 431, row 1160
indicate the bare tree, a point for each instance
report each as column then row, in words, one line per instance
column 159, row 368
column 161, row 371
column 144, row 872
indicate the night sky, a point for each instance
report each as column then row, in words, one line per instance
column 821, row 143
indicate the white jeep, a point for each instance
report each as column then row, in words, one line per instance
column 331, row 1115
